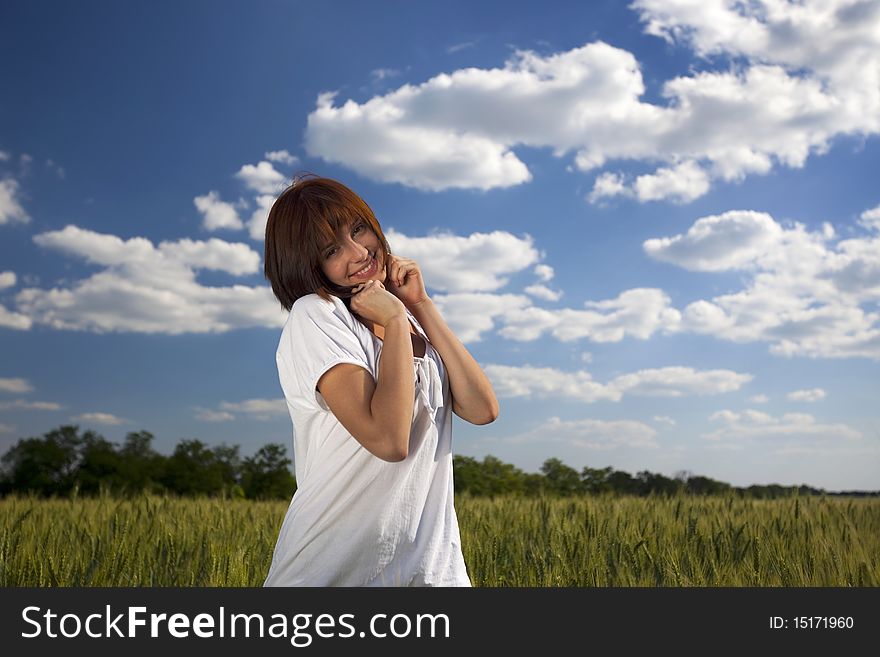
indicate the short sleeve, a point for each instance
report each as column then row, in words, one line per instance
column 320, row 339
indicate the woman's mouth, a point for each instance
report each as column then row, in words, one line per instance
column 367, row 271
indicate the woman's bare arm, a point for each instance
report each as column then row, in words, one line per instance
column 377, row 413
column 473, row 398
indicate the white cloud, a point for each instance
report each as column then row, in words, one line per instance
column 471, row 315
column 260, row 217
column 754, row 425
column 608, row 185
column 664, row 419
column 543, row 292
column 380, row 74
column 10, row 206
column 680, row 381
column 6, row 428
column 217, row 214
column 638, row 313
column 596, row 435
column 805, row 73
column 24, row 405
column 811, row 395
column 544, row 272
column 257, row 409
column 476, row 263
column 543, row 382
column 682, row 183
column 99, row 418
column 870, row 219
column 15, row 385
column 759, row 399
column 7, row 279
column 262, row 178
column 805, row 296
column 150, row 289
column 208, row 415
column 281, row 156
column 733, row 240
column 13, row 320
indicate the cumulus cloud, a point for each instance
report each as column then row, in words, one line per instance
column 15, row 385
column 811, row 395
column 543, row 292
column 595, row 435
column 12, row 320
column 665, row 420
column 471, row 315
column 474, row 263
column 107, row 419
column 24, row 405
column 680, row 183
column 217, row 214
column 870, row 219
column 262, row 178
column 543, row 382
column 544, row 272
column 638, row 313
column 11, row 209
column 733, row 240
column 208, row 415
column 754, row 425
column 680, row 381
column 806, row 73
column 759, row 399
column 151, row 289
column 257, row 409
column 282, row 157
column 260, row 217
column 805, row 295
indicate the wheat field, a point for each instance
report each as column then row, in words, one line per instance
column 507, row 541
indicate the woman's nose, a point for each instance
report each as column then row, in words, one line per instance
column 357, row 251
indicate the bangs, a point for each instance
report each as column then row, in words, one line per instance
column 333, row 219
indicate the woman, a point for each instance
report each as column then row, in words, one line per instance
column 371, row 374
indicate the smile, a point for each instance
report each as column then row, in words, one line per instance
column 367, row 271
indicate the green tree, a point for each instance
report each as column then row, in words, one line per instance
column 561, row 479
column 47, row 465
column 194, row 469
column 266, row 474
column 99, row 466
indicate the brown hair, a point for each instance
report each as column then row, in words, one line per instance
column 304, row 218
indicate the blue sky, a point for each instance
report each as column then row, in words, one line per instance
column 656, row 225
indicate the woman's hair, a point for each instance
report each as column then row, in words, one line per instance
column 303, row 220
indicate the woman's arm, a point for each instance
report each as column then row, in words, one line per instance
column 377, row 413
column 473, row 398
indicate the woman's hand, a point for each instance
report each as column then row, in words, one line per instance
column 404, row 280
column 373, row 302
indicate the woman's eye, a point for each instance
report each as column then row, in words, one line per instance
column 358, row 228
column 330, row 252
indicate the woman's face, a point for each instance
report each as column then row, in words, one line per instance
column 356, row 256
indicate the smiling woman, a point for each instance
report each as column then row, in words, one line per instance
column 371, row 374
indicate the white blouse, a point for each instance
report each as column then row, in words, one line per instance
column 355, row 519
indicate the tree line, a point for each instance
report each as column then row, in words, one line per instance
column 66, row 461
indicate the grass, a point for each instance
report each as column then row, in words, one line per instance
column 507, row 541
